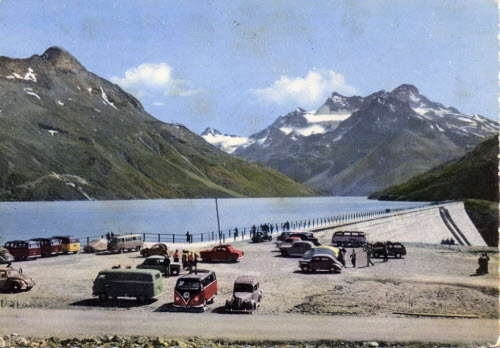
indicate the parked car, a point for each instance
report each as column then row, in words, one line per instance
column 286, row 242
column 69, row 244
column 261, row 237
column 195, row 290
column 321, row 258
column 49, row 246
column 297, row 248
column 161, row 263
column 156, row 249
column 221, row 253
column 127, row 242
column 14, row 280
column 96, row 245
column 283, row 235
column 246, row 296
column 5, row 256
column 24, row 249
column 395, row 249
column 143, row 284
column 350, row 239
column 309, row 236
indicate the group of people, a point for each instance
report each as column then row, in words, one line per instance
column 189, row 259
column 110, row 236
column 354, row 256
column 449, row 241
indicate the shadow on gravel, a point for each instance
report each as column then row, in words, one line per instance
column 169, row 307
column 315, row 272
column 118, row 303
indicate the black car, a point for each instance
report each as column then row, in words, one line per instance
column 283, row 236
column 394, row 249
column 261, row 237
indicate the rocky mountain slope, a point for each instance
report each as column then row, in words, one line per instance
column 357, row 145
column 473, row 176
column 69, row 134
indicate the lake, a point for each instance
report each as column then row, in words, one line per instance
column 24, row 220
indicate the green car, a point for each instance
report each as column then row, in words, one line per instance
column 143, row 284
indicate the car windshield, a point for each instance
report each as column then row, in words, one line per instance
column 243, row 288
column 308, row 255
column 188, row 284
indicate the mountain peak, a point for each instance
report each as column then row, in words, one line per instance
column 211, row 131
column 62, row 59
column 405, row 89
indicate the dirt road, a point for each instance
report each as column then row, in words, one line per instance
column 288, row 327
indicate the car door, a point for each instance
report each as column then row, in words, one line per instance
column 3, row 280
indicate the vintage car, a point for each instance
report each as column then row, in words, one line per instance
column 309, row 236
column 351, row 239
column 221, row 253
column 161, row 263
column 5, row 256
column 96, row 245
column 156, row 249
column 129, row 242
column 321, row 258
column 246, row 296
column 261, row 237
column 14, row 280
column 69, row 244
column 283, row 235
column 143, row 284
column 395, row 249
column 195, row 290
column 286, row 242
column 297, row 248
column 49, row 246
column 24, row 249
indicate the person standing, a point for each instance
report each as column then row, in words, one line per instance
column 196, row 262
column 369, row 257
column 176, row 255
column 386, row 253
column 341, row 257
column 184, row 259
column 235, row 233
column 188, row 237
column 353, row 258
column 190, row 262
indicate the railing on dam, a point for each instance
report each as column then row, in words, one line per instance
column 240, row 233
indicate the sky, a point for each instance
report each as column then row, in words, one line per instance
column 237, row 65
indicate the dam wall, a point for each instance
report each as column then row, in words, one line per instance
column 429, row 225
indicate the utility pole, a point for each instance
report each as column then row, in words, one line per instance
column 218, row 223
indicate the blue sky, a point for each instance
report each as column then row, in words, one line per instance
column 237, row 65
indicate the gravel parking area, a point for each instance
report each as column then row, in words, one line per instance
column 431, row 279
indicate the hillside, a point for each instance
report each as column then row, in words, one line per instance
column 474, row 176
column 68, row 134
column 358, row 145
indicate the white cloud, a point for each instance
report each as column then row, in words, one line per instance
column 306, row 91
column 158, row 103
column 151, row 78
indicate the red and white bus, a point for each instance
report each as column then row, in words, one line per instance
column 195, row 290
column 24, row 249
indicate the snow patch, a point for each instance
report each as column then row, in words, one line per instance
column 52, row 132
column 97, row 110
column 105, row 97
column 439, row 128
column 414, row 98
column 338, row 116
column 89, row 89
column 30, row 75
column 60, row 103
column 30, row 92
column 17, row 76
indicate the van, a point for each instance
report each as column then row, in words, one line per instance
column 24, row 249
column 127, row 242
column 143, row 284
column 49, row 246
column 69, row 244
column 195, row 290
column 352, row 239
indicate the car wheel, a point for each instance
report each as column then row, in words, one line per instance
column 138, row 248
column 284, row 253
column 75, row 252
column 122, row 251
column 65, row 253
column 211, row 300
column 103, row 297
column 398, row 255
column 141, row 299
column 15, row 287
column 175, row 272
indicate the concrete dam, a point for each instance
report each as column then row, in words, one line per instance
column 429, row 225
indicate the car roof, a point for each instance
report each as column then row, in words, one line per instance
column 303, row 241
column 323, row 255
column 245, row 280
column 130, row 270
column 199, row 274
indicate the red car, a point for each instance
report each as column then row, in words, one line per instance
column 221, row 253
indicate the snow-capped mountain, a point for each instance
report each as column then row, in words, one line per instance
column 357, row 145
column 225, row 142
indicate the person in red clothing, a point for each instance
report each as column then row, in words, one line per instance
column 176, row 255
column 190, row 262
